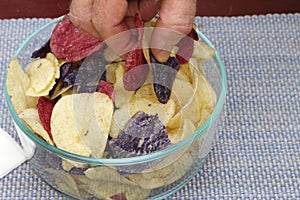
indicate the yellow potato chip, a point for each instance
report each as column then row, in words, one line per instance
column 17, row 83
column 42, row 74
column 206, row 98
column 152, row 179
column 145, row 100
column 67, row 165
column 186, row 130
column 181, row 166
column 202, row 52
column 183, row 93
column 111, row 71
column 59, row 91
column 64, row 181
column 150, row 106
column 120, row 118
column 175, row 123
column 80, row 123
column 104, row 182
column 195, row 65
column 31, row 117
column 121, row 96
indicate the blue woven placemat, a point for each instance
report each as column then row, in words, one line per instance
column 257, row 155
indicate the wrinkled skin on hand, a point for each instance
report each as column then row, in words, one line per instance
column 105, row 18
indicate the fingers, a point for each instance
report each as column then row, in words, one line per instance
column 147, row 9
column 81, row 15
column 176, row 19
column 108, row 19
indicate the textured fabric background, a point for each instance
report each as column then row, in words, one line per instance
column 257, row 155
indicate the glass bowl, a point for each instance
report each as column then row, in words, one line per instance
column 100, row 178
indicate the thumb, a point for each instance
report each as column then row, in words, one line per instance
column 176, row 19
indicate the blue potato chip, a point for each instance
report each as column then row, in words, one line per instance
column 143, row 134
column 42, row 52
column 91, row 72
column 163, row 77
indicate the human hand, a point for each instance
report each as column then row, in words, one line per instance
column 106, row 18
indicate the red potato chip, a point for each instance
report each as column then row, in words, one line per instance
column 136, row 69
column 106, row 88
column 120, row 196
column 70, row 42
column 45, row 107
column 186, row 47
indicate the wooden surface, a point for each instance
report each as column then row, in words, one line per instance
column 55, row 8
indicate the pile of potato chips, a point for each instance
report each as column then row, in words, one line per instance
column 82, row 123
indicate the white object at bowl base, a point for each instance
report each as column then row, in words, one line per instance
column 11, row 154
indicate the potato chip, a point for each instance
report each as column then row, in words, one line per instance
column 136, row 68
column 64, row 181
column 202, row 52
column 182, row 93
column 152, row 179
column 80, row 123
column 175, row 122
column 122, row 96
column 70, row 42
column 17, row 83
column 111, row 183
column 111, row 56
column 206, row 96
column 186, row 46
column 149, row 104
column 196, row 66
column 181, row 166
column 68, row 165
column 42, row 74
column 142, row 135
column 186, row 130
column 111, row 71
column 120, row 118
column 31, row 117
column 58, row 90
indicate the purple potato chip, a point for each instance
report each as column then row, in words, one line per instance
column 163, row 77
column 91, row 72
column 143, row 134
column 68, row 73
column 42, row 52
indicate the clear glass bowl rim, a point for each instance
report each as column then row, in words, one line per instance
column 120, row 161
